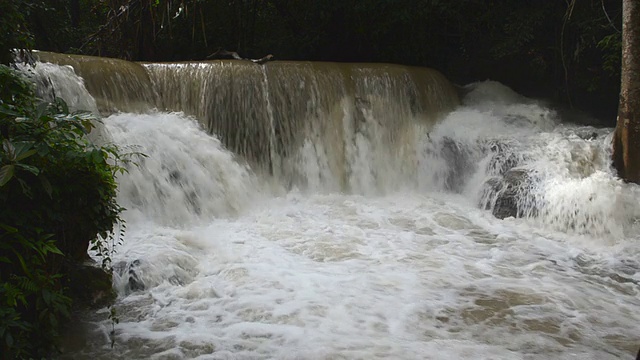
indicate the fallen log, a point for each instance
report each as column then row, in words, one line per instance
column 224, row 54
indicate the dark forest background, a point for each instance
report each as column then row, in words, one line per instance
column 564, row 51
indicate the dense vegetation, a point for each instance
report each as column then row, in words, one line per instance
column 566, row 51
column 57, row 198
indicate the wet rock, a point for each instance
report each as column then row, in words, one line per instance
column 503, row 157
column 510, row 195
column 134, row 283
column 128, row 271
column 587, row 134
column 460, row 163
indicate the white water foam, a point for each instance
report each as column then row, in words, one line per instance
column 61, row 81
column 186, row 174
column 351, row 277
column 417, row 273
column 569, row 183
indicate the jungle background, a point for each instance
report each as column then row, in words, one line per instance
column 564, row 51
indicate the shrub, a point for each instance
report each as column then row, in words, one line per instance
column 57, row 198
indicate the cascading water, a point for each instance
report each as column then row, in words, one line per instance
column 513, row 156
column 370, row 234
column 319, row 126
column 61, row 81
column 116, row 85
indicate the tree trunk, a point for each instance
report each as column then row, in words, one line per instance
column 626, row 143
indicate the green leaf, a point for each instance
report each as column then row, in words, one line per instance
column 23, row 149
column 46, row 296
column 50, row 247
column 62, row 105
column 9, row 149
column 30, row 168
column 9, row 229
column 87, row 122
column 43, row 149
column 6, row 173
column 97, row 157
column 41, row 109
column 6, row 111
column 25, row 154
column 46, row 185
column 22, row 262
column 25, row 188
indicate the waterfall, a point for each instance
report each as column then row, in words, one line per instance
column 116, row 85
column 304, row 210
column 372, row 129
column 317, row 126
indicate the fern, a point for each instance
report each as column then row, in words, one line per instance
column 11, row 295
column 26, row 284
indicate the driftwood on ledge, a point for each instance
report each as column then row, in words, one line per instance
column 224, row 54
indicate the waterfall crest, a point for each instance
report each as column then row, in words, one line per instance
column 318, row 126
column 116, row 85
column 303, row 121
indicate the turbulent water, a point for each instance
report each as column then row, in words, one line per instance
column 388, row 251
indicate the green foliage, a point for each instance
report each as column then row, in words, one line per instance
column 611, row 46
column 14, row 32
column 57, row 194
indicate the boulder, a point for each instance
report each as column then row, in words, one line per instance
column 503, row 157
column 461, row 163
column 510, row 195
column 128, row 273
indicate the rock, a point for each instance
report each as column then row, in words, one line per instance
column 460, row 163
column 134, row 283
column 503, row 157
column 129, row 272
column 510, row 195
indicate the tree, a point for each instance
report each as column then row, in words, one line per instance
column 14, row 33
column 626, row 142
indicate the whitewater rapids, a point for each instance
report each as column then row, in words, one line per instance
column 238, row 265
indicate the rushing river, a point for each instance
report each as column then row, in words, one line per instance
column 389, row 252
